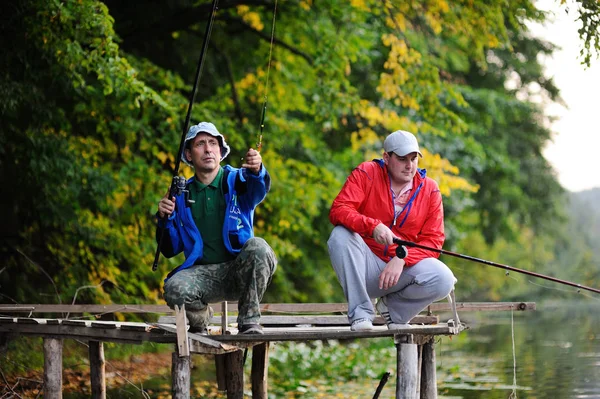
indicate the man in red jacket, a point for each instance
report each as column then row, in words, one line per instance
column 381, row 200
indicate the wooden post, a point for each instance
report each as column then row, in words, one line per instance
column 97, row 370
column 224, row 317
column 407, row 367
column 260, row 368
column 180, row 375
column 428, row 376
column 221, row 371
column 53, row 349
column 235, row 375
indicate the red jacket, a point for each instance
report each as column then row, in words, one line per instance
column 366, row 200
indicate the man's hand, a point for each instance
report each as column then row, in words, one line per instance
column 253, row 161
column 391, row 273
column 166, row 206
column 383, row 235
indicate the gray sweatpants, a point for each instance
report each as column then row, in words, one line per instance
column 358, row 269
column 244, row 279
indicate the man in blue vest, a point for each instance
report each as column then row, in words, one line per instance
column 213, row 225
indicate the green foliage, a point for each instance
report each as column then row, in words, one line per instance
column 96, row 95
column 292, row 366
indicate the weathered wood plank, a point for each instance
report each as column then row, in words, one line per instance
column 183, row 344
column 83, row 332
column 306, row 320
column 265, row 307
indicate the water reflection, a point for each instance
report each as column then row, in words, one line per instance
column 557, row 354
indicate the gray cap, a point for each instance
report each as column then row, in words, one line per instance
column 401, row 143
column 205, row 127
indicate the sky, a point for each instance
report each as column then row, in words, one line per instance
column 575, row 150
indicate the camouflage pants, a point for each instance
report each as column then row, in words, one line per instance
column 244, row 279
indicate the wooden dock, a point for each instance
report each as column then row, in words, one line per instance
column 282, row 322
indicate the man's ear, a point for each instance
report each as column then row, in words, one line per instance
column 188, row 154
column 386, row 158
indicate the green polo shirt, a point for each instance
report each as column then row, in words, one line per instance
column 208, row 212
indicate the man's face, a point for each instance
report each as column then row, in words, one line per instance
column 204, row 152
column 401, row 169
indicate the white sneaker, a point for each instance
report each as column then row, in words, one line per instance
column 361, row 325
column 385, row 313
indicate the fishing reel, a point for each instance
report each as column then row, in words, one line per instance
column 401, row 251
column 178, row 188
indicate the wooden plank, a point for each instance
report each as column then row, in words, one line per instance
column 299, row 320
column 90, row 308
column 84, row 332
column 204, row 340
column 272, row 334
column 183, row 345
column 265, row 307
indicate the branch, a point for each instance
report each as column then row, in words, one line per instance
column 267, row 38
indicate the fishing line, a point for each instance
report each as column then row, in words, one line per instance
column 266, row 87
column 513, row 394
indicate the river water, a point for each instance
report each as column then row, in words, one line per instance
column 556, row 354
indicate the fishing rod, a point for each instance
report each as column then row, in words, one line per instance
column 178, row 184
column 264, row 108
column 402, row 252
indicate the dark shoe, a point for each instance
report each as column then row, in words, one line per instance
column 251, row 329
column 202, row 330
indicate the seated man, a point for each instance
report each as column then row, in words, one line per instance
column 381, row 200
column 214, row 228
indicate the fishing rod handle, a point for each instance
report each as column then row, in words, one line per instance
column 404, row 243
column 178, row 187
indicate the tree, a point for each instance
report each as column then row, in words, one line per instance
column 97, row 93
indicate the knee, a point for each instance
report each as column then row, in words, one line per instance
column 446, row 280
column 178, row 292
column 258, row 248
column 339, row 238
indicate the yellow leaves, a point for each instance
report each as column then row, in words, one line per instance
column 389, row 119
column 360, row 5
column 446, row 174
column 247, row 82
column 250, row 17
column 162, row 156
column 399, row 59
column 306, row 4
column 364, row 137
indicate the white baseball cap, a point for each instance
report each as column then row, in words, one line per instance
column 401, row 143
column 205, row 127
